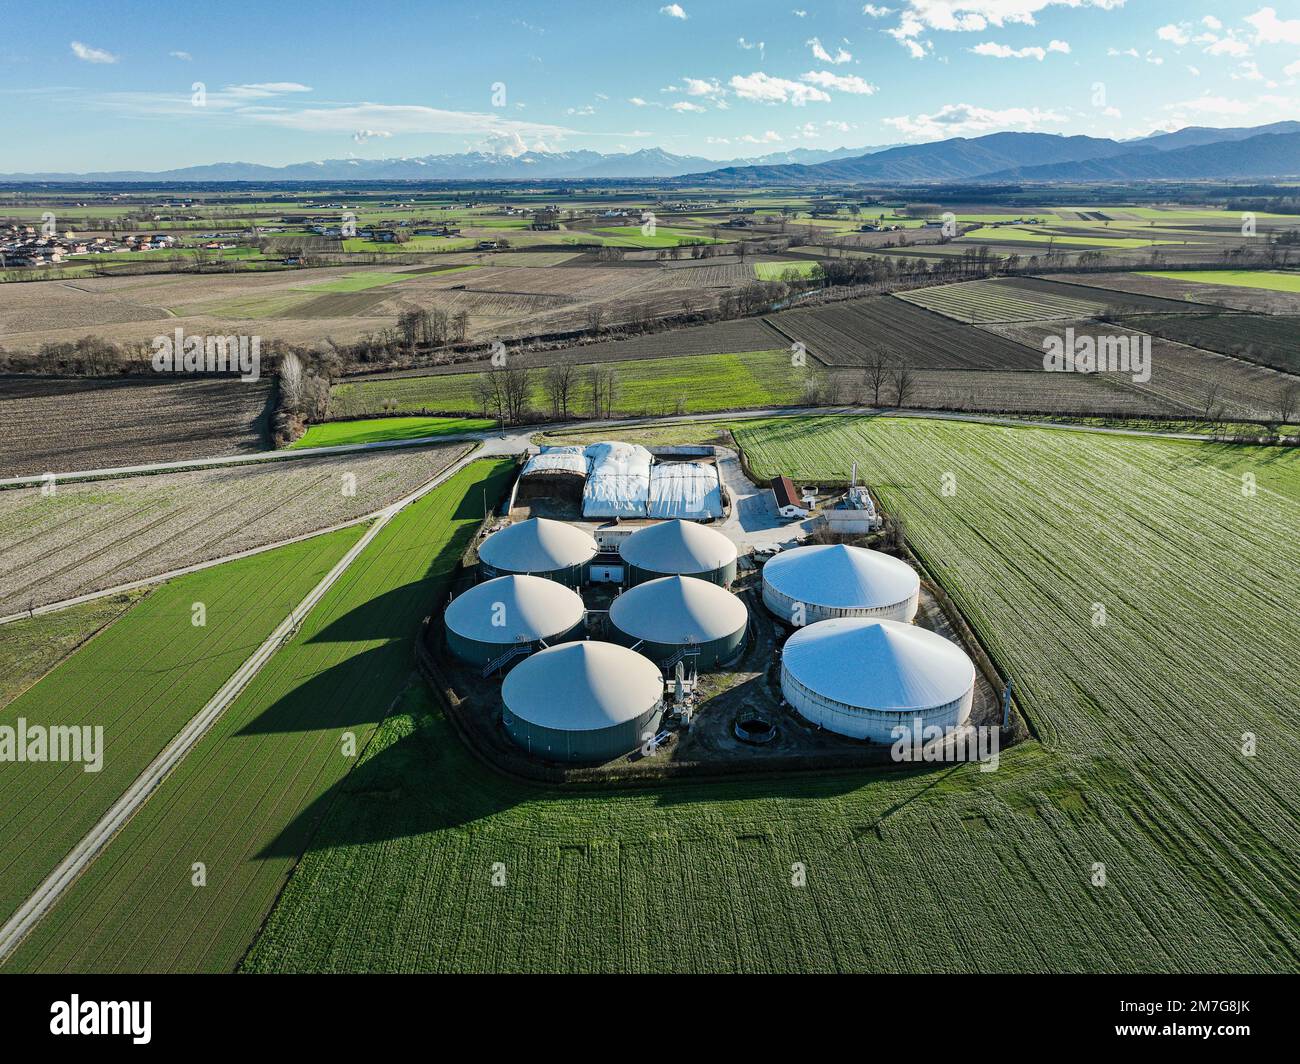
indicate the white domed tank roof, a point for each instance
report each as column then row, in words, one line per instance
column 678, row 610
column 513, row 609
column 583, row 686
column 879, row 665
column 841, row 580
column 678, row 547
column 537, row 546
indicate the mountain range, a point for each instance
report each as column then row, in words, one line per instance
column 1196, row 152
column 464, row 166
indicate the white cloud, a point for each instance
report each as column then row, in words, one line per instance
column 702, row 87
column 1175, row 34
column 1003, row 51
column 749, row 46
column 849, row 83
column 1211, row 22
column 263, row 89
column 181, row 55
column 585, row 110
column 673, row 11
column 819, row 52
column 1228, row 46
column 763, row 88
column 1247, row 71
column 1212, row 105
column 685, row 106
column 770, row 137
column 839, row 127
column 960, row 119
column 975, row 15
column 1133, row 53
column 872, row 11
column 88, row 54
column 1292, row 70
column 799, row 13
column 636, row 101
column 1194, row 71
column 1269, row 29
column 363, row 135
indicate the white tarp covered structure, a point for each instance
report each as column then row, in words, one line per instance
column 618, row 480
column 688, row 490
column 558, row 460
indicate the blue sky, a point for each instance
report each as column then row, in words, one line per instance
column 111, row 85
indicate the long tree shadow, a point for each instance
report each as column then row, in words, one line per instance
column 350, row 694
column 424, row 782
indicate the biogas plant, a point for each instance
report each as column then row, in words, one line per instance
column 629, row 612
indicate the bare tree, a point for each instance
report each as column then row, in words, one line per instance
column 595, row 318
column 1288, row 401
column 291, row 393
column 516, row 387
column 559, row 384
column 904, row 384
column 877, row 370
column 1210, row 405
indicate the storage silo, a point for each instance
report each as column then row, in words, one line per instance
column 494, row 617
column 587, row 701
column 674, row 612
column 863, row 677
column 538, row 547
column 836, row 580
column 679, row 548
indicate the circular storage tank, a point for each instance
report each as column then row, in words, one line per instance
column 836, row 580
column 863, row 677
column 678, row 611
column 587, row 701
column 679, row 548
column 539, row 547
column 489, row 619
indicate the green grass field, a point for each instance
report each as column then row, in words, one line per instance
column 696, row 383
column 947, row 869
column 1016, row 235
column 416, row 243
column 32, row 647
column 247, row 799
column 140, row 679
column 776, row 271
column 355, row 282
column 630, row 236
column 1272, row 282
column 371, row 430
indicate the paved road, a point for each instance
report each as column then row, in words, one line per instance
column 48, row 893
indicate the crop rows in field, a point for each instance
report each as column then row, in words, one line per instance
column 1268, row 339
column 979, row 302
column 64, row 425
column 855, row 332
column 141, row 680
column 1140, row 771
column 1187, row 296
column 101, row 534
column 1181, row 377
column 247, row 799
